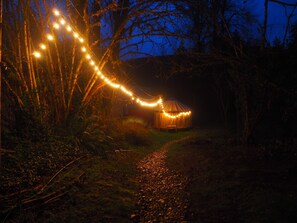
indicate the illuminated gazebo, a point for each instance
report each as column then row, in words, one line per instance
column 172, row 115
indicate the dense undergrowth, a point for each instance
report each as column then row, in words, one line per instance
column 32, row 154
column 78, row 172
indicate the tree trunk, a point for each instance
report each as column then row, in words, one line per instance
column 264, row 31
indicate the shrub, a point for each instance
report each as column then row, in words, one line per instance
column 136, row 134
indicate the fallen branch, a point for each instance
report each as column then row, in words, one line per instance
column 22, row 192
column 58, row 172
column 3, row 151
column 35, row 202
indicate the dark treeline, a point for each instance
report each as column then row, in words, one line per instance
column 56, row 113
column 232, row 74
column 236, row 75
column 253, row 80
column 220, row 43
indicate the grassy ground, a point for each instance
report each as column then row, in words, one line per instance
column 105, row 189
column 228, row 182
column 233, row 183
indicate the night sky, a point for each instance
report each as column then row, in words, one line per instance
column 275, row 29
column 276, row 17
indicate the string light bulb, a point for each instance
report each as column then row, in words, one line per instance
column 49, row 37
column 68, row 28
column 42, row 46
column 75, row 35
column 37, row 54
column 99, row 73
column 63, row 22
column 56, row 12
column 56, row 25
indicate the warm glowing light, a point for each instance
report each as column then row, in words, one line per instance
column 42, row 46
column 37, row 54
column 188, row 113
column 114, row 85
column 62, row 21
column 68, row 28
column 108, row 81
column 126, row 91
column 50, row 37
column 56, row 25
column 153, row 104
column 56, row 12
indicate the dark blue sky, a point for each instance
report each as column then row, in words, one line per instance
column 276, row 18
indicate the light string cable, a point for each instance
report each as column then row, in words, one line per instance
column 61, row 23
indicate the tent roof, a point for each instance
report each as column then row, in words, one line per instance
column 173, row 105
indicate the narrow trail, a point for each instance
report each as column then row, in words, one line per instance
column 162, row 196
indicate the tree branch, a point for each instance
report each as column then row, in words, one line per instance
column 284, row 3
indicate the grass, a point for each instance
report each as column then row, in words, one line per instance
column 107, row 191
column 235, row 183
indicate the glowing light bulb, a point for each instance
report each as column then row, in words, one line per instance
column 68, row 28
column 42, row 46
column 62, row 21
column 114, row 85
column 50, row 37
column 37, row 54
column 56, row 25
column 56, row 12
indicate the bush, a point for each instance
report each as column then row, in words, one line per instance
column 30, row 162
column 136, row 134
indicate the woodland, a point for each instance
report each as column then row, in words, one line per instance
column 56, row 114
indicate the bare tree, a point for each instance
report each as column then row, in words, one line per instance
column 264, row 29
column 114, row 29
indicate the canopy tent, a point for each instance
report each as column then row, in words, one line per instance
column 172, row 107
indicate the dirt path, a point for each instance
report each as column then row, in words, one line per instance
column 161, row 197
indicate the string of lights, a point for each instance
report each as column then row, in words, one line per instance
column 61, row 23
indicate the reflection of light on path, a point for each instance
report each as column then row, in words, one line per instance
column 162, row 191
